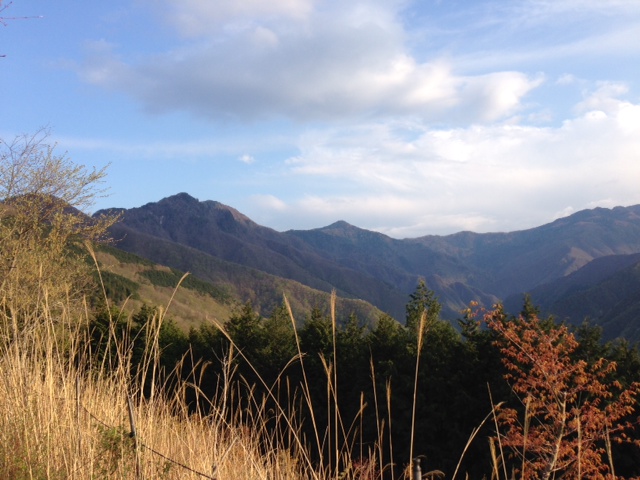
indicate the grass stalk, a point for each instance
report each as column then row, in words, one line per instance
column 379, row 423
column 472, row 438
column 527, row 423
column 336, row 412
column 391, row 459
column 305, row 386
column 494, row 409
column 420, row 340
column 270, row 394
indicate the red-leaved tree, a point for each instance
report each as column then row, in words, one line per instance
column 571, row 411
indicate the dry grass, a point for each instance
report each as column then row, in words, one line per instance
column 63, row 417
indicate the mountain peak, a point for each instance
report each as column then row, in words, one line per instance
column 351, row 232
column 211, row 209
column 340, row 224
column 180, row 197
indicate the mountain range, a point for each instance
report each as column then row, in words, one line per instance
column 586, row 265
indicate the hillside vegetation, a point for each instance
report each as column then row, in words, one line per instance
column 131, row 282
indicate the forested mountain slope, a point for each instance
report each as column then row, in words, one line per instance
column 606, row 291
column 209, row 237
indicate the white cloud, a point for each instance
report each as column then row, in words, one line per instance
column 605, row 98
column 336, row 62
column 479, row 178
column 269, row 202
column 567, row 79
column 246, row 158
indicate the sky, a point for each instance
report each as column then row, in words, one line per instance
column 410, row 118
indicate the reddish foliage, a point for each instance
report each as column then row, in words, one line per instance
column 572, row 410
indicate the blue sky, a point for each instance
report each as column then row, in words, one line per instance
column 408, row 118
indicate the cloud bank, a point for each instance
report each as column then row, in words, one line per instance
column 250, row 60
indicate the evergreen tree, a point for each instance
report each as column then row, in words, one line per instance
column 529, row 309
column 422, row 301
column 278, row 345
column 245, row 329
column 386, row 344
column 316, row 337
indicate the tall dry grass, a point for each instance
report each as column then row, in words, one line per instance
column 65, row 415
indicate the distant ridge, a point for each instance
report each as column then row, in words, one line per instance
column 371, row 266
column 606, row 292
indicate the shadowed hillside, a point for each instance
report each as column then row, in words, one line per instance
column 606, row 291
